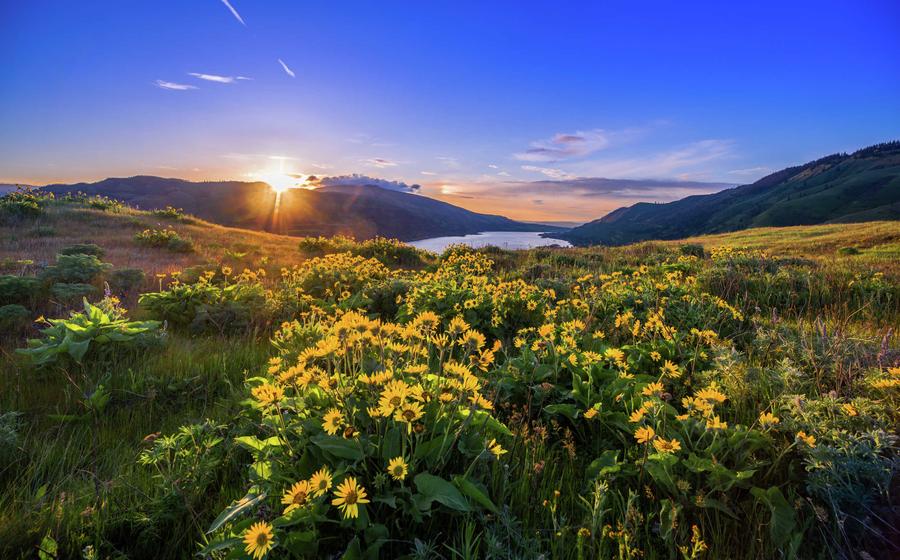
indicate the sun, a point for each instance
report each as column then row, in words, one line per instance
column 280, row 182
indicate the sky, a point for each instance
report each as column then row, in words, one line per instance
column 556, row 111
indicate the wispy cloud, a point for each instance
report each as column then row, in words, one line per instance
column 689, row 161
column 557, row 174
column 750, row 172
column 173, row 86
column 217, row 78
column 380, row 163
column 234, row 12
column 429, row 173
column 565, row 146
column 449, row 161
column 287, row 70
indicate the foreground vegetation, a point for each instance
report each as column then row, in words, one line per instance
column 328, row 398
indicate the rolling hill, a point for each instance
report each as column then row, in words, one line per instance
column 862, row 186
column 362, row 211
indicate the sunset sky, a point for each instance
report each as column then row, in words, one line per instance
column 535, row 110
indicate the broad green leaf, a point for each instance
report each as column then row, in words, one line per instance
column 442, row 491
column 606, row 463
column 473, row 491
column 481, row 419
column 567, row 410
column 235, row 509
column 783, row 517
column 339, row 447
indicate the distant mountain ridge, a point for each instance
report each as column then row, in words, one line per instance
column 363, row 211
column 857, row 187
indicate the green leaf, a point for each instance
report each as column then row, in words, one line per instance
column 235, row 509
column 471, row 490
column 783, row 519
column 48, row 548
column 339, row 447
column 256, row 445
column 606, row 463
column 668, row 520
column 390, row 446
column 481, row 419
column 567, row 410
column 440, row 490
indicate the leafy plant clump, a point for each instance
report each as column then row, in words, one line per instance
column 164, row 238
column 98, row 332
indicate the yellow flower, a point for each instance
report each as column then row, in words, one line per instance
column 332, row 421
column 715, row 423
column 409, row 413
column 655, row 356
column 767, row 419
column 590, row 413
column 663, row 446
column 807, row 439
column 644, row 435
column 392, row 398
column 670, row 369
column 320, row 481
column 849, row 409
column 495, row 448
column 268, row 394
column 348, row 496
column 397, row 468
column 638, row 415
column 652, row 389
column 258, row 539
column 711, row 395
column 296, row 496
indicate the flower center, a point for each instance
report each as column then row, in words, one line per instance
column 300, row 498
column 350, row 498
column 262, row 539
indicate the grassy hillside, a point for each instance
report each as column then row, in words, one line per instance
column 360, row 211
column 648, row 401
column 841, row 188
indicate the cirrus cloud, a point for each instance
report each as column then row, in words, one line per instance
column 566, row 146
column 173, row 85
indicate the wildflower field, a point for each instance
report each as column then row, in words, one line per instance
column 327, row 398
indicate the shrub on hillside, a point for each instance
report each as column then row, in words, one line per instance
column 13, row 318
column 84, row 249
column 71, row 293
column 23, row 203
column 169, row 212
column 125, row 280
column 389, row 252
column 205, row 306
column 22, row 290
column 75, row 269
column 164, row 238
column 10, row 440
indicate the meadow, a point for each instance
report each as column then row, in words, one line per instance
column 170, row 388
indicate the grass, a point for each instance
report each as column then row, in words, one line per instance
column 878, row 242
column 86, row 470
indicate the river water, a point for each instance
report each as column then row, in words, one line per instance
column 502, row 239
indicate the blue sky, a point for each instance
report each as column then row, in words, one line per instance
column 507, row 107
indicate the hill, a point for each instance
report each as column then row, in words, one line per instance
column 840, row 188
column 362, row 211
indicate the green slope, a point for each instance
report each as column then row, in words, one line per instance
column 858, row 187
